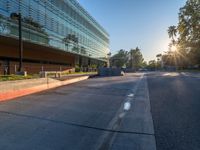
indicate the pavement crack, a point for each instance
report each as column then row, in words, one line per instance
column 74, row 124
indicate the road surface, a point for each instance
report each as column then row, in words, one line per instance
column 175, row 106
column 157, row 110
column 97, row 114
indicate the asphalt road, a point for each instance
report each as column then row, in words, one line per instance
column 175, row 106
column 96, row 114
column 111, row 113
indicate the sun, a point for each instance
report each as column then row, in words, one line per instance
column 173, row 48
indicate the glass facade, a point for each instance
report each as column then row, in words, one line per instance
column 62, row 24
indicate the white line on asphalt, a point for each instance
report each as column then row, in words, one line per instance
column 130, row 95
column 127, row 106
column 121, row 115
column 106, row 140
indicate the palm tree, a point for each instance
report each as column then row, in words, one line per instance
column 159, row 60
column 172, row 32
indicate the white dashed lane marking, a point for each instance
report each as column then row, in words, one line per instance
column 130, row 95
column 127, row 106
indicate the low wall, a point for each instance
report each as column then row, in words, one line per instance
column 13, row 89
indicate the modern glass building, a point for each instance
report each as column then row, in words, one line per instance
column 57, row 35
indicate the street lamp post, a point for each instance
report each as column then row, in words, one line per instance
column 16, row 16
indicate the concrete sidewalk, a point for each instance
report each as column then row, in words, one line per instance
column 14, row 89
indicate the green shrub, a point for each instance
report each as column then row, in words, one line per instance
column 16, row 77
column 77, row 68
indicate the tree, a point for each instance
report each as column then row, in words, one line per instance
column 120, row 59
column 188, row 36
column 189, row 22
column 144, row 64
column 172, row 31
column 152, row 65
column 159, row 61
column 169, row 58
column 136, row 58
column 189, row 30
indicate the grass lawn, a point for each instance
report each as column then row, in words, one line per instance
column 16, row 77
column 20, row 77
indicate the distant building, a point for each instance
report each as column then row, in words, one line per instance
column 57, row 35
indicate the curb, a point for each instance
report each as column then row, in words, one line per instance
column 22, row 92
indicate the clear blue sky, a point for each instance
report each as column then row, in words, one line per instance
column 132, row 23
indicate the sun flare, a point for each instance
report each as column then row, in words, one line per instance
column 173, row 48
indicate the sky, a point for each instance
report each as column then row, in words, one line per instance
column 132, row 23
